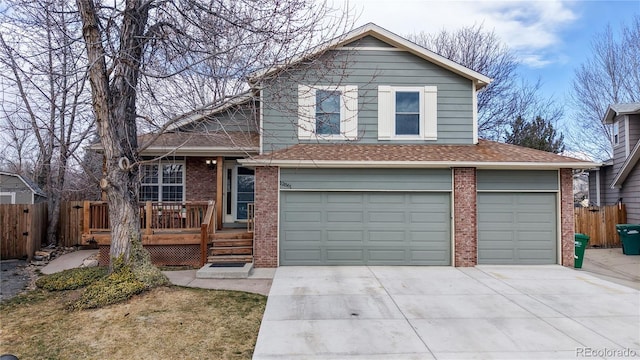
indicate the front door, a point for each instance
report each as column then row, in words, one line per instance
column 238, row 191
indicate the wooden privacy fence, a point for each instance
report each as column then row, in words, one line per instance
column 599, row 223
column 70, row 224
column 23, row 229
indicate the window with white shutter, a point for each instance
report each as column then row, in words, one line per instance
column 407, row 113
column 328, row 112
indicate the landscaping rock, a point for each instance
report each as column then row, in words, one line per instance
column 90, row 263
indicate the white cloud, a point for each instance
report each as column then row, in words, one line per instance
column 531, row 28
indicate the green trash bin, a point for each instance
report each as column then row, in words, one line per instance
column 630, row 238
column 581, row 242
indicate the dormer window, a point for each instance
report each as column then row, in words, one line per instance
column 328, row 112
column 407, row 113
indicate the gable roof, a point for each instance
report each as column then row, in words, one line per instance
column 629, row 164
column 388, row 37
column 620, row 109
column 485, row 155
column 28, row 182
column 202, row 144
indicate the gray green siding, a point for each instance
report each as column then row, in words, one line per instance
column 368, row 41
column 366, row 179
column 529, row 180
column 368, row 70
column 241, row 118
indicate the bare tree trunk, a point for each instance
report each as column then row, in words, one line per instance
column 114, row 104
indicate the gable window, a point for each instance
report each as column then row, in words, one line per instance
column 162, row 182
column 407, row 113
column 615, row 133
column 328, row 112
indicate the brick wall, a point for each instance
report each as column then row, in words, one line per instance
column 567, row 217
column 465, row 227
column 200, row 180
column 265, row 241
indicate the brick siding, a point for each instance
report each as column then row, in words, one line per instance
column 567, row 217
column 200, row 180
column 265, row 241
column 465, row 217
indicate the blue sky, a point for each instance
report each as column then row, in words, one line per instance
column 551, row 37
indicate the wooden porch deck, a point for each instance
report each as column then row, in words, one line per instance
column 174, row 230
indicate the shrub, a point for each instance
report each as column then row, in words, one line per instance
column 118, row 286
column 71, row 279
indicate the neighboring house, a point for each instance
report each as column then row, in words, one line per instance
column 17, row 189
column 618, row 180
column 366, row 152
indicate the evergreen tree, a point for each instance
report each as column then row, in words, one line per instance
column 537, row 134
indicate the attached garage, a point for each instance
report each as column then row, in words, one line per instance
column 365, row 217
column 517, row 217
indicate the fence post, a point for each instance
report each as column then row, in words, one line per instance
column 86, row 217
column 148, row 209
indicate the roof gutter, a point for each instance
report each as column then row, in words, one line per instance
column 418, row 164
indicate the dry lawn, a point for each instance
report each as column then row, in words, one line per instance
column 165, row 323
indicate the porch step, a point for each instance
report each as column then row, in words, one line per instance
column 232, row 242
column 232, row 235
column 232, row 250
column 222, row 259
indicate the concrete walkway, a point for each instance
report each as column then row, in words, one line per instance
column 486, row 312
column 259, row 281
column 613, row 265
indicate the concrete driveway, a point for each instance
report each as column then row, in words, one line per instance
column 503, row 312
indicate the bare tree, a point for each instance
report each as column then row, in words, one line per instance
column 45, row 105
column 135, row 47
column 611, row 75
column 508, row 96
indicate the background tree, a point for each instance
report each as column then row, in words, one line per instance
column 537, row 134
column 509, row 96
column 46, row 115
column 611, row 75
column 134, row 46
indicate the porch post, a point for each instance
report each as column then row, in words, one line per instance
column 219, row 190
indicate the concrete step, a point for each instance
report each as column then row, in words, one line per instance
column 231, row 250
column 214, row 272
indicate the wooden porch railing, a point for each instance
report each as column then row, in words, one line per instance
column 250, row 216
column 154, row 216
column 207, row 228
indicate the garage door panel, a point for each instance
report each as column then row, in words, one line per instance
column 345, row 237
column 517, row 228
column 368, row 228
column 345, row 216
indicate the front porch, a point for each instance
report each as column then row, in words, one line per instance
column 187, row 233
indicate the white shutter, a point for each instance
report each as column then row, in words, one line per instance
column 385, row 112
column 430, row 112
column 306, row 112
column 349, row 125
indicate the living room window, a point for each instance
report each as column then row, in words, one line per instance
column 162, row 182
column 328, row 112
column 407, row 113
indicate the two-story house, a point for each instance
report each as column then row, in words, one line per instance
column 366, row 151
column 618, row 180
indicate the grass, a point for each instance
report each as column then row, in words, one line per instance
column 162, row 323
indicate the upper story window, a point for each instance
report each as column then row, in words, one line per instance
column 328, row 112
column 407, row 113
column 615, row 133
column 162, row 182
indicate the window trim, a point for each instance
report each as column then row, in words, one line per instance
column 160, row 183
column 348, row 112
column 615, row 133
column 387, row 112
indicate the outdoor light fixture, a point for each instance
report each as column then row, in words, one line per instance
column 211, row 163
